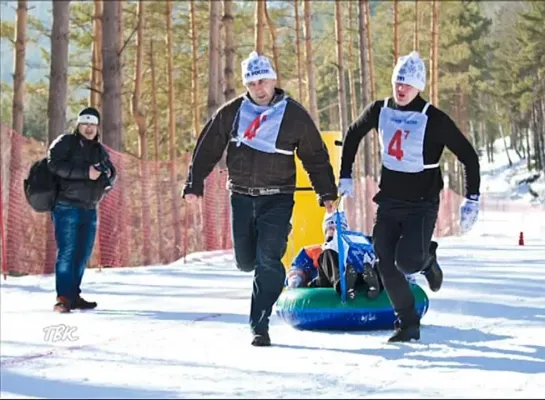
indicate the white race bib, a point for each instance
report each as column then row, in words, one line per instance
column 401, row 135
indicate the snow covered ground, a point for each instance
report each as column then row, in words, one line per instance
column 180, row 330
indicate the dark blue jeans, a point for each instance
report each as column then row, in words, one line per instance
column 261, row 225
column 75, row 230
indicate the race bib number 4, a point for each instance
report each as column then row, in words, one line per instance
column 395, row 147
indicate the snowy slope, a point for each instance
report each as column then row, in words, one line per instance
column 502, row 181
column 180, row 330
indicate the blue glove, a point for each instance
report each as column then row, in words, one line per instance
column 469, row 211
column 346, row 187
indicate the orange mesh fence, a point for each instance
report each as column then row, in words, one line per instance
column 361, row 209
column 143, row 220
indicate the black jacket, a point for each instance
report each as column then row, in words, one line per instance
column 263, row 173
column 441, row 132
column 69, row 157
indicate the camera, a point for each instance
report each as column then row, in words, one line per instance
column 104, row 178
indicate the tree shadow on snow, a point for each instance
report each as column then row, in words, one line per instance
column 33, row 386
column 188, row 316
column 464, row 341
column 485, row 309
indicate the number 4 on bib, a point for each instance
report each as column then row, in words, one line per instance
column 395, row 146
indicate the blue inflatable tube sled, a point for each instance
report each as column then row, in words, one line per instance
column 322, row 309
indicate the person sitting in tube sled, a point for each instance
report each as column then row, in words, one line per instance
column 318, row 265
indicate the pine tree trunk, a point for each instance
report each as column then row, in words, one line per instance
column 528, row 149
column 120, row 44
column 220, row 67
column 275, row 50
column 370, row 57
column 537, row 135
column 351, row 78
column 516, row 140
column 298, row 51
column 19, row 70
column 221, row 59
column 136, row 109
column 156, row 157
column 358, row 209
column 58, row 76
column 171, row 91
column 364, row 86
column 434, row 54
column 140, row 120
column 416, row 43
column 195, row 109
column 259, row 25
column 396, row 31
column 58, row 92
column 310, row 71
column 95, row 95
column 229, row 71
column 375, row 151
column 340, row 67
column 213, row 57
column 112, row 110
column 172, row 138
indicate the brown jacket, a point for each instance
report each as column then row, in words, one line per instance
column 258, row 173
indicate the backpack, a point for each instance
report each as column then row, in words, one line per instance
column 41, row 187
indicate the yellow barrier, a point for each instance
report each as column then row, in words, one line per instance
column 307, row 214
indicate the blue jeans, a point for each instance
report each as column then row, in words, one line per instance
column 261, row 225
column 75, row 230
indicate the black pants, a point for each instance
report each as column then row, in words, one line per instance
column 261, row 225
column 401, row 238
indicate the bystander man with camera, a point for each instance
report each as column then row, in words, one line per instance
column 85, row 174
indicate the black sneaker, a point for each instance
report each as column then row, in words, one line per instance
column 351, row 278
column 261, row 340
column 82, row 304
column 370, row 277
column 434, row 276
column 433, row 273
column 405, row 333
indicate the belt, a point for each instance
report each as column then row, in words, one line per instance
column 261, row 191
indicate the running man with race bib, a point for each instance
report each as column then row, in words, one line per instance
column 413, row 134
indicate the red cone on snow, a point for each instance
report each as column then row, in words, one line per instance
column 521, row 239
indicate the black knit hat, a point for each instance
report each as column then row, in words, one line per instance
column 89, row 115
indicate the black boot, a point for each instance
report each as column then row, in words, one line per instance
column 82, row 304
column 261, row 340
column 405, row 333
column 433, row 273
column 370, row 277
column 351, row 278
